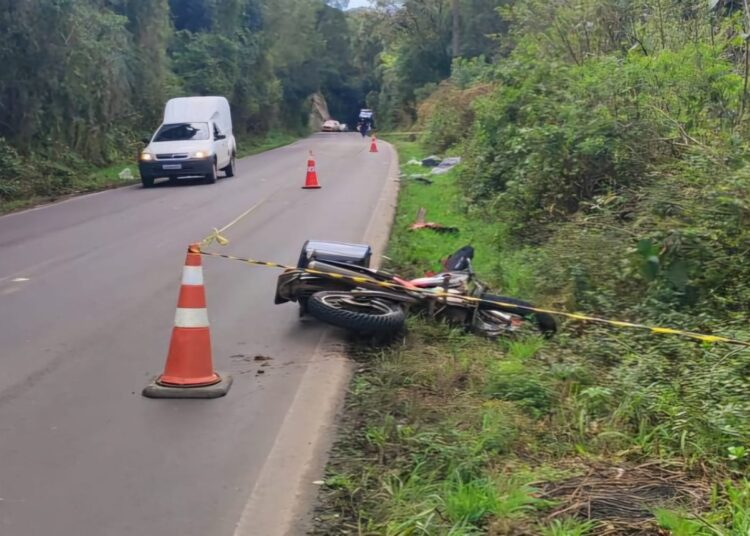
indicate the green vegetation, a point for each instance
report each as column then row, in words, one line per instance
column 405, row 49
column 447, row 433
column 415, row 254
column 83, row 80
column 272, row 140
column 43, row 182
column 604, row 171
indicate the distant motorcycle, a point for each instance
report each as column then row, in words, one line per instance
column 333, row 283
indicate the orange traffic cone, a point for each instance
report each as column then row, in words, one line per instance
column 311, row 181
column 373, row 145
column 189, row 370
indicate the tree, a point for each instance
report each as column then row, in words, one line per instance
column 338, row 4
column 191, row 15
column 150, row 26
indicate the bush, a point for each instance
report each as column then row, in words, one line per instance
column 448, row 114
column 554, row 136
column 10, row 171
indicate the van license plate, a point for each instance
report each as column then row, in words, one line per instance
column 172, row 166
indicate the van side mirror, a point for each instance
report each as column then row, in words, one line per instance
column 220, row 137
column 146, row 141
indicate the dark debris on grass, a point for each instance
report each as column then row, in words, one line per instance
column 622, row 498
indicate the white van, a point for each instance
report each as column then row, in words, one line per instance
column 195, row 140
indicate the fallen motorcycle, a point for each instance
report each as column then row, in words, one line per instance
column 333, row 283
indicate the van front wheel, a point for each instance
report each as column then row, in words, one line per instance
column 211, row 177
column 147, row 182
column 229, row 170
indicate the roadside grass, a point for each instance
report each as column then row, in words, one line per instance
column 54, row 182
column 446, row 433
column 273, row 140
column 65, row 182
column 417, row 251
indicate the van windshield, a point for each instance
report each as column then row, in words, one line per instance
column 182, row 132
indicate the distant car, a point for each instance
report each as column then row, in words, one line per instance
column 331, row 126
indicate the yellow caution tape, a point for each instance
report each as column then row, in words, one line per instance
column 215, row 236
column 574, row 316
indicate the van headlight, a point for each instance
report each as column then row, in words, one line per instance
column 201, row 154
column 146, row 157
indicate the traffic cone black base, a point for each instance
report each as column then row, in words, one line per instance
column 217, row 390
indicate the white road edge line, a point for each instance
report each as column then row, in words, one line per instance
column 62, row 202
column 74, row 197
column 278, row 503
column 379, row 227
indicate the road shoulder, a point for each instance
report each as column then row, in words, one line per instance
column 281, row 501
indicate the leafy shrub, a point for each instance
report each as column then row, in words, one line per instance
column 513, row 382
column 553, row 136
column 10, row 169
column 448, row 114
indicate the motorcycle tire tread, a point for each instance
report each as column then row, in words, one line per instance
column 392, row 322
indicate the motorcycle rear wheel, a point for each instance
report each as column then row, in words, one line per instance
column 361, row 315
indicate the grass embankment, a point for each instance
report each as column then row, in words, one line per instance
column 448, row 433
column 53, row 182
column 52, row 185
column 272, row 140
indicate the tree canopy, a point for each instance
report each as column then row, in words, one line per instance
column 89, row 76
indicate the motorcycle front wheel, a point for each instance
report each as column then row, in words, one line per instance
column 544, row 322
column 358, row 314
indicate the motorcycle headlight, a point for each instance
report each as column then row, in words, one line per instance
column 146, row 157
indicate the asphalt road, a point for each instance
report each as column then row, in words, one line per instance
column 88, row 290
